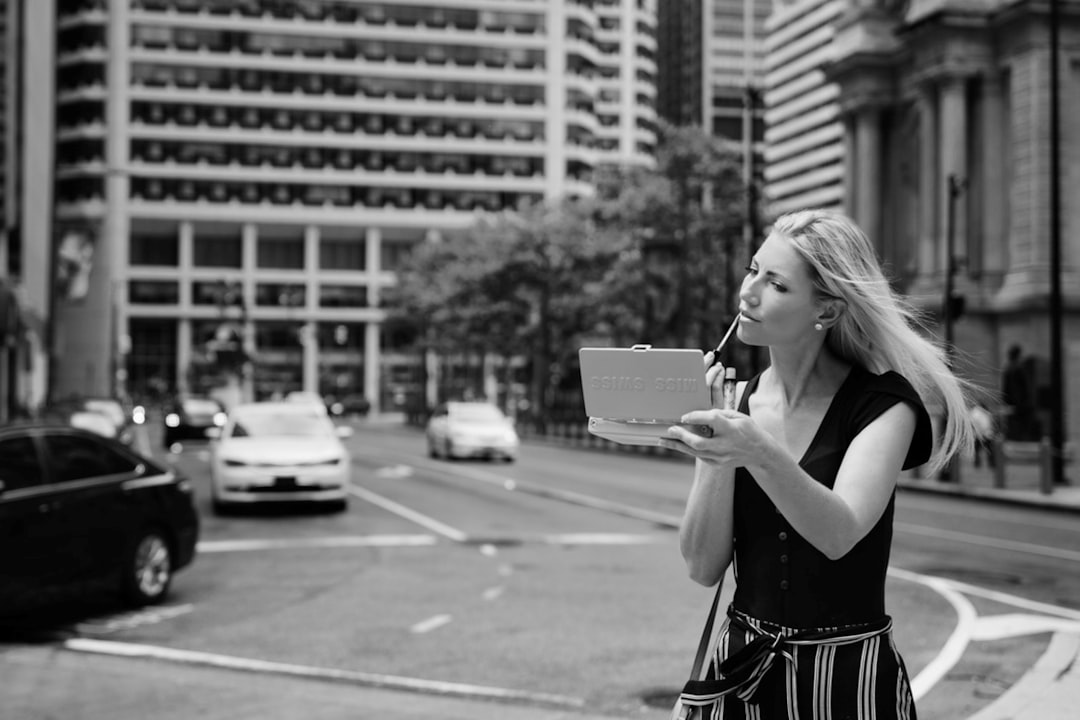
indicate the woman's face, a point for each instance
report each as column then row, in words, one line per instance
column 777, row 300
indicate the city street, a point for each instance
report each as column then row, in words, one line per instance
column 547, row 588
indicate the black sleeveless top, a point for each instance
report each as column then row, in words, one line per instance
column 781, row 577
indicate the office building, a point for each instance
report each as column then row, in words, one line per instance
column 804, row 150
column 253, row 171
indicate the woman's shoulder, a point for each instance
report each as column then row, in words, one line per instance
column 874, row 393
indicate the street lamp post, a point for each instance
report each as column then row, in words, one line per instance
column 1057, row 414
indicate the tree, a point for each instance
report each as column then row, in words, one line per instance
column 685, row 218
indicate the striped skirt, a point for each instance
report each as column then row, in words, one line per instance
column 764, row 671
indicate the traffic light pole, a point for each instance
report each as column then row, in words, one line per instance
column 950, row 306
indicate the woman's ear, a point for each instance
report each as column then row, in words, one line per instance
column 831, row 311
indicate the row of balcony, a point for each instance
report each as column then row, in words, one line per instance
column 315, row 121
column 374, row 13
column 315, row 158
column 243, row 42
column 154, row 189
column 289, row 83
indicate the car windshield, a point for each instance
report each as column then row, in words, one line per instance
column 201, row 407
column 477, row 413
column 281, row 424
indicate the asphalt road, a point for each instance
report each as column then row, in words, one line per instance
column 546, row 588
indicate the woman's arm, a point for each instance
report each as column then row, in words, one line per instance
column 707, row 529
column 833, row 521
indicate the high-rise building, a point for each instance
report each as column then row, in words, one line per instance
column 804, row 151
column 255, row 170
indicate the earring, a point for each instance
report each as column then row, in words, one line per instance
column 818, row 326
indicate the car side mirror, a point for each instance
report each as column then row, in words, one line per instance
column 213, row 433
column 343, row 431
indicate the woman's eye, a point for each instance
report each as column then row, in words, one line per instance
column 750, row 270
column 779, row 287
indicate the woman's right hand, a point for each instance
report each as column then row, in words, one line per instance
column 714, row 378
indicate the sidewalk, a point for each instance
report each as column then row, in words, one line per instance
column 1021, row 486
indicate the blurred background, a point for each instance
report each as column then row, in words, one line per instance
column 397, row 203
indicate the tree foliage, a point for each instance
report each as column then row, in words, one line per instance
column 646, row 260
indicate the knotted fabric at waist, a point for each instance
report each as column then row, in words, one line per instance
column 743, row 671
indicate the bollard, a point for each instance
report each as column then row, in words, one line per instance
column 997, row 458
column 1046, row 467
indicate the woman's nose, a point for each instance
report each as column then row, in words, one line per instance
column 746, row 293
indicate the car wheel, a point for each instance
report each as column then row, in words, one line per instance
column 148, row 568
column 338, row 506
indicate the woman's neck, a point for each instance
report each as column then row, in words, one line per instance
column 803, row 377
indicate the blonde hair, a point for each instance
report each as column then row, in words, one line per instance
column 877, row 328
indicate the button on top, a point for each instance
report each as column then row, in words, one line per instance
column 783, row 559
column 783, row 584
column 782, row 535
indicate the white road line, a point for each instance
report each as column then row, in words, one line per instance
column 603, row 539
column 493, row 593
column 221, row 546
column 433, row 622
column 1012, row 545
column 961, row 635
column 419, row 518
column 395, row 682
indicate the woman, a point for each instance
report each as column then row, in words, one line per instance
column 797, row 486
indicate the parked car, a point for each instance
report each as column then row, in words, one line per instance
column 104, row 416
column 352, row 404
column 78, row 509
column 188, row 418
column 280, row 451
column 311, row 398
column 471, row 429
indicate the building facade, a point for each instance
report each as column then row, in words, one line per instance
column 252, row 171
column 946, row 110
column 804, row 148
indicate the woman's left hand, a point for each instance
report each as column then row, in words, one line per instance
column 736, row 440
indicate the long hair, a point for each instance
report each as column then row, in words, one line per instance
column 878, row 328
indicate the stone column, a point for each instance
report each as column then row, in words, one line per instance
column 372, row 351
column 868, row 154
column 309, row 375
column 928, row 181
column 851, row 191
column 953, row 157
column 995, row 184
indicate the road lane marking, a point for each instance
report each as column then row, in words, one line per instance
column 129, row 620
column 220, row 546
column 996, row 627
column 1013, row 545
column 493, row 593
column 954, row 647
column 432, row 623
column 409, row 514
column 390, row 682
column 604, row 539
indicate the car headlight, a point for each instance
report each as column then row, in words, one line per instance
column 219, row 419
column 172, row 420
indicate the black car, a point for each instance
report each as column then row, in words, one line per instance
column 188, row 418
column 78, row 509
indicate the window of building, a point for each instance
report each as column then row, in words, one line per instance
column 287, row 295
column 341, row 254
column 281, row 253
column 153, row 292
column 218, row 247
column 159, row 246
column 343, row 296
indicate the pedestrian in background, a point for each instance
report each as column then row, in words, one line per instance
column 1016, row 393
column 985, row 435
column 797, row 486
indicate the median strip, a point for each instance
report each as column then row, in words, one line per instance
column 375, row 680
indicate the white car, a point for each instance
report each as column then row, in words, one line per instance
column 471, row 429
column 279, row 452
